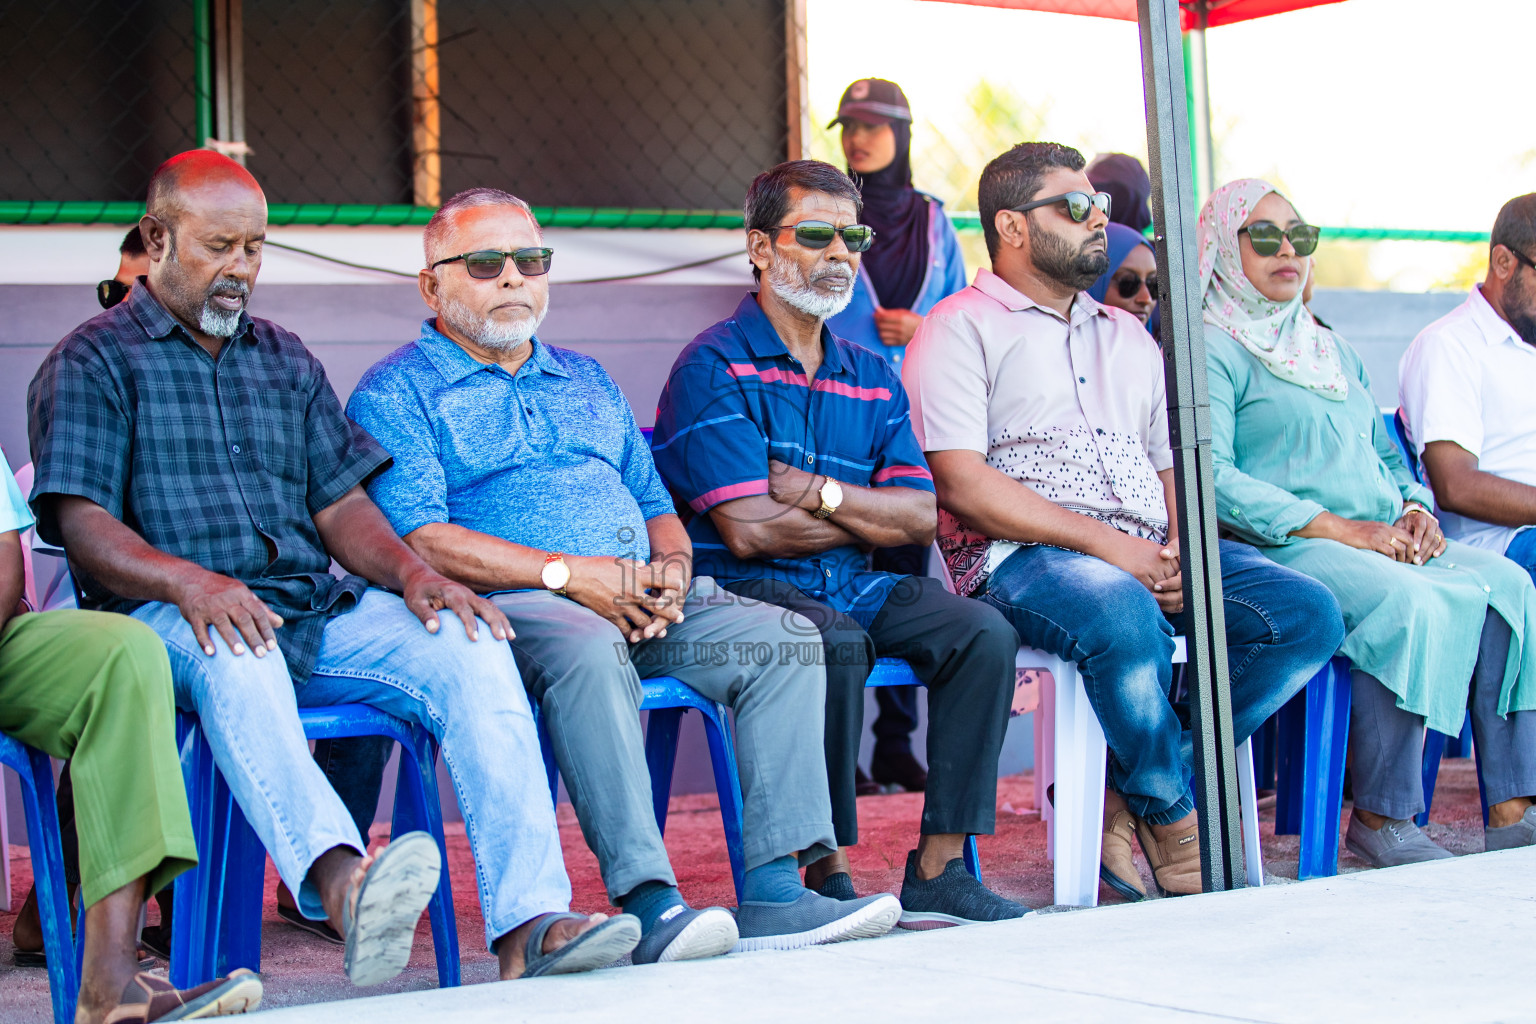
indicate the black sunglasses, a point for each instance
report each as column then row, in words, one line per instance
column 1079, row 204
column 1129, row 287
column 110, row 293
column 1265, row 237
column 818, row 234
column 488, row 263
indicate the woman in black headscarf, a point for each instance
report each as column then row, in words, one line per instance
column 915, row 260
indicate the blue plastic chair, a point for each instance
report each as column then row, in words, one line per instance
column 1436, row 745
column 217, row 925
column 895, row 672
column 667, row 700
column 1312, row 737
column 37, row 796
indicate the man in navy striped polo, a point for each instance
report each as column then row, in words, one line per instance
column 793, row 449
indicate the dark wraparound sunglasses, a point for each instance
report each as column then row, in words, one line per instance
column 110, row 293
column 1079, row 204
column 1130, row 287
column 1265, row 237
column 488, row 263
column 1522, row 257
column 818, row 234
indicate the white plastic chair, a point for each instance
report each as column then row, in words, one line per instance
column 1070, row 751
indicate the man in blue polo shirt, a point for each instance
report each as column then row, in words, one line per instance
column 794, row 451
column 519, row 470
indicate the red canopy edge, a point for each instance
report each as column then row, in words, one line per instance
column 1222, row 12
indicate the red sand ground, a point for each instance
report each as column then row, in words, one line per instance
column 298, row 968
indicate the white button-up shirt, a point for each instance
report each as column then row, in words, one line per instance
column 1468, row 378
column 1072, row 407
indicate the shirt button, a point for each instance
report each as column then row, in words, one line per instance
column 1100, row 429
column 1237, row 511
column 235, row 449
column 1487, row 590
column 1362, row 436
column 1082, row 380
column 810, row 458
column 829, row 576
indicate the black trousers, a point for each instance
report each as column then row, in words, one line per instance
column 897, row 719
column 961, row 649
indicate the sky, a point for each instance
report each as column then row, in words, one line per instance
column 1370, row 113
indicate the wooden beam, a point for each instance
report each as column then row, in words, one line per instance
column 797, row 112
column 426, row 111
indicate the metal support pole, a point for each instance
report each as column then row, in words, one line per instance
column 1200, row 103
column 797, row 114
column 426, row 108
column 202, row 71
column 1189, row 426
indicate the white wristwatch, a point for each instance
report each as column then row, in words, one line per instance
column 831, row 497
column 556, row 574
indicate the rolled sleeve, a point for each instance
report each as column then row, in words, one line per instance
column 707, row 445
column 413, row 491
column 79, row 432
column 341, row 453
column 945, row 377
column 900, row 462
column 1440, row 389
column 1159, row 451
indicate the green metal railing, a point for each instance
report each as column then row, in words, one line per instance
column 284, row 214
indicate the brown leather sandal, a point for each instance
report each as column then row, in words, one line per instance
column 237, row 993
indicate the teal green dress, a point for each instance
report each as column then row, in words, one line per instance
column 1282, row 455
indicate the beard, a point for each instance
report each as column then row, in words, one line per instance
column 193, row 307
column 791, row 284
column 1054, row 257
column 489, row 334
column 1520, row 310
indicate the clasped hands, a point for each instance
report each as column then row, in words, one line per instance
column 640, row 598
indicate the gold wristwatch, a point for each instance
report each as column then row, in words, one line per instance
column 831, row 497
column 555, row 574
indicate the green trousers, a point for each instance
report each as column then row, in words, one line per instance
column 96, row 688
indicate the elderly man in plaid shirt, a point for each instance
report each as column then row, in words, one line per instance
column 198, row 468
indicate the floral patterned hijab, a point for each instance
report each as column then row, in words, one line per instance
column 1283, row 336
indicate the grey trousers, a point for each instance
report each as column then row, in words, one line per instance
column 586, row 681
column 1387, row 743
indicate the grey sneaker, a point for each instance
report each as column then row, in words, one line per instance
column 1510, row 837
column 1396, row 842
column 814, row 919
column 687, row 934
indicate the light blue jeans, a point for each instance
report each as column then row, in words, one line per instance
column 467, row 694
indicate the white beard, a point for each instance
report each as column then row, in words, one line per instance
column 497, row 336
column 789, row 283
column 218, row 323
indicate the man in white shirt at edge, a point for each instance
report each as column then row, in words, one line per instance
column 1466, row 386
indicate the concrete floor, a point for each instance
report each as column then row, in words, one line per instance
column 1441, row 941
column 1333, row 940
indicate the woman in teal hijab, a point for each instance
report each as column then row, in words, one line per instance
column 1306, row 471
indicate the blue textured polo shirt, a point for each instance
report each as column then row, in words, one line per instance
column 549, row 457
column 736, row 398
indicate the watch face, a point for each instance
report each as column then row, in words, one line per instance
column 556, row 575
column 832, row 493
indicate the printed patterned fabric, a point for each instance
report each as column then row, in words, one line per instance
column 1284, row 337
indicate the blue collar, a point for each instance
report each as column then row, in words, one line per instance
column 158, row 322
column 455, row 364
column 763, row 339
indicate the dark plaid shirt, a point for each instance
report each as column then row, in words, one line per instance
column 223, row 462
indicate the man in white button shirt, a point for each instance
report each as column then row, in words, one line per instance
column 1044, row 419
column 1467, row 386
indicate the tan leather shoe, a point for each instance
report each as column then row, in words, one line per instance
column 1117, row 868
column 1175, row 861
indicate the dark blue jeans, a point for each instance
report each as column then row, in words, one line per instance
column 1522, row 551
column 1281, row 628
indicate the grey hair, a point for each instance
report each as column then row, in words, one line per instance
column 433, row 238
